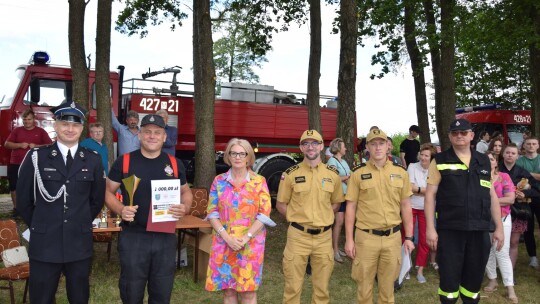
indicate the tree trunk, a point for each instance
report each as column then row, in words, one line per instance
column 534, row 69
column 346, row 118
column 204, row 82
column 417, row 70
column 314, row 72
column 103, row 54
column 77, row 57
column 434, row 50
column 447, row 107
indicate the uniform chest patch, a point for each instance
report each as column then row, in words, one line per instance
column 300, row 179
column 392, row 176
column 366, row 176
column 326, row 179
column 168, row 170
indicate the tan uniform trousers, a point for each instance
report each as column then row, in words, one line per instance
column 376, row 255
column 301, row 245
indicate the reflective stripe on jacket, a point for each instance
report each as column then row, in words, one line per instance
column 463, row 195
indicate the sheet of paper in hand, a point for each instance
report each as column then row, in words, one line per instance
column 165, row 193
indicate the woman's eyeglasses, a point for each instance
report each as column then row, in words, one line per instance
column 237, row 154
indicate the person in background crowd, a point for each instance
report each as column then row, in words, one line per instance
column 169, row 146
column 525, row 135
column 20, row 140
column 504, row 187
column 128, row 134
column 497, row 134
column 309, row 194
column 409, row 148
column 530, row 161
column 60, row 191
column 147, row 258
column 483, row 145
column 458, row 179
column 418, row 177
column 337, row 147
column 496, row 146
column 361, row 148
column 378, row 201
column 391, row 157
column 328, row 154
column 94, row 142
column 517, row 173
column 238, row 209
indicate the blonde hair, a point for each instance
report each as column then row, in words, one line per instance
column 242, row 143
column 335, row 145
column 95, row 125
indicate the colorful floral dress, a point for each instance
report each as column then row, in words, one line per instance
column 237, row 209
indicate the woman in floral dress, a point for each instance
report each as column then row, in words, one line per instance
column 238, row 209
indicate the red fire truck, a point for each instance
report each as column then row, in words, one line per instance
column 41, row 86
column 273, row 128
column 511, row 123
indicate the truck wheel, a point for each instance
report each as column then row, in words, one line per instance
column 272, row 171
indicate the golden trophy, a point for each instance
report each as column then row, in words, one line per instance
column 130, row 184
column 103, row 222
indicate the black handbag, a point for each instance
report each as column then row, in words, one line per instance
column 521, row 211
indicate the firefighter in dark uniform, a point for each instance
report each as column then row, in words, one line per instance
column 61, row 190
column 309, row 194
column 460, row 191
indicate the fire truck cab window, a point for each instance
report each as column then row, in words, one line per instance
column 489, row 127
column 51, row 92
column 515, row 132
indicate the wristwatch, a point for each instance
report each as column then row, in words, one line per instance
column 409, row 238
column 250, row 235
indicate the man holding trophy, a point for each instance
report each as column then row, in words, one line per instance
column 147, row 249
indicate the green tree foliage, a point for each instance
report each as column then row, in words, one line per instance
column 492, row 58
column 138, row 14
column 264, row 18
column 233, row 59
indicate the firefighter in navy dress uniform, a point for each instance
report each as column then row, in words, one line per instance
column 62, row 190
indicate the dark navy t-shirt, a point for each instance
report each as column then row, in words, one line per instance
column 147, row 170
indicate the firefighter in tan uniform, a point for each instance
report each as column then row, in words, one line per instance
column 309, row 194
column 378, row 200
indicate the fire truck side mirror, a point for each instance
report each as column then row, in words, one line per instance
column 34, row 90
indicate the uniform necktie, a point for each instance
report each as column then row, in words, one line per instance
column 69, row 160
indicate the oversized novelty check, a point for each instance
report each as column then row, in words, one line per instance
column 165, row 193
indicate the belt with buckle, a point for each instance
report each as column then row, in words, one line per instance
column 383, row 232
column 313, row 231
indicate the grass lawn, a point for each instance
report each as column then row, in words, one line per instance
column 104, row 280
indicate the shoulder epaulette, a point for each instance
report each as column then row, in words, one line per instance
column 398, row 165
column 358, row 167
column 292, row 169
column 333, row 169
column 42, row 147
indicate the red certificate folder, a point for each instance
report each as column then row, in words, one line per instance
column 165, row 227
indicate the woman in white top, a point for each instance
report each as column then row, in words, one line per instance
column 337, row 148
column 418, row 173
